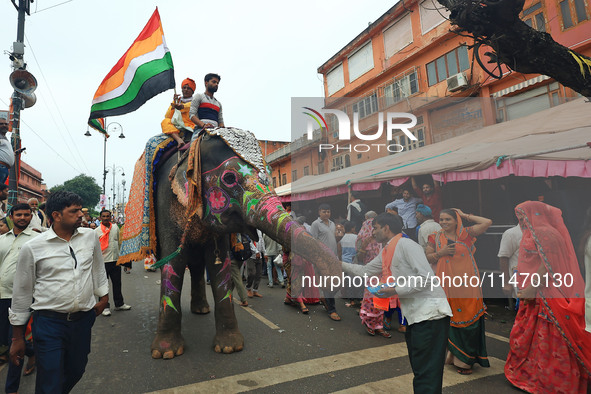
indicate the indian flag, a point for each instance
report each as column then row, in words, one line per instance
column 144, row 71
column 99, row 125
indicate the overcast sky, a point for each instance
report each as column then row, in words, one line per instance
column 265, row 51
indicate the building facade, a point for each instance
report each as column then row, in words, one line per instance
column 30, row 184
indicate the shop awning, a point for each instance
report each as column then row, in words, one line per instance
column 530, row 146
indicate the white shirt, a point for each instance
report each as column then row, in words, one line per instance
column 418, row 301
column 112, row 252
column 427, row 228
column 6, row 152
column 10, row 246
column 47, row 272
column 509, row 248
column 36, row 222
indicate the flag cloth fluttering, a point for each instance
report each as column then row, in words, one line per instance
column 144, row 71
column 98, row 125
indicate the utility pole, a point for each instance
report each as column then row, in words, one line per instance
column 24, row 84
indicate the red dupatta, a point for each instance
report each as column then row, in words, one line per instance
column 547, row 242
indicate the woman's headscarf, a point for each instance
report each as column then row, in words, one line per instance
column 547, row 241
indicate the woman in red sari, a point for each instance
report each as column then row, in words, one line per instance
column 550, row 349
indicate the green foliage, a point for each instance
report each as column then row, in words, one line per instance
column 83, row 185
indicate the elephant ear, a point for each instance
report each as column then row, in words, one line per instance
column 179, row 182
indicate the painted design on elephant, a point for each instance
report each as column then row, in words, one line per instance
column 169, row 285
column 227, row 296
column 230, row 178
column 218, row 199
column 245, row 170
column 169, row 271
column 166, row 301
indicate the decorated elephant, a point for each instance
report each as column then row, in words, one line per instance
column 220, row 187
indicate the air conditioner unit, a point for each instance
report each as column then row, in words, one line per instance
column 457, row 82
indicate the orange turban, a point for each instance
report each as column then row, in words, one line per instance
column 190, row 82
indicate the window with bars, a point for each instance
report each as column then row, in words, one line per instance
column 366, row 106
column 284, row 179
column 294, row 175
column 321, row 168
column 340, row 162
column 274, row 182
column 573, row 12
column 400, row 89
column 306, row 171
column 534, row 17
column 447, row 65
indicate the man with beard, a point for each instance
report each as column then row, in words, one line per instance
column 63, row 267
column 6, row 152
column 10, row 245
column 431, row 196
column 206, row 110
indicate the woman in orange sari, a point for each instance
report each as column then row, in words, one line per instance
column 452, row 249
column 550, row 349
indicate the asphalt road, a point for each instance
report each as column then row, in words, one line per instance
column 285, row 351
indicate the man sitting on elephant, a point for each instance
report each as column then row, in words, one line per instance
column 183, row 104
column 206, row 110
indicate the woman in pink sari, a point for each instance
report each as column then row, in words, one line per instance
column 550, row 349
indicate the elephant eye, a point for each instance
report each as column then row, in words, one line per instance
column 229, row 178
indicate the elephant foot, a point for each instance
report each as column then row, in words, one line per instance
column 201, row 309
column 167, row 346
column 228, row 342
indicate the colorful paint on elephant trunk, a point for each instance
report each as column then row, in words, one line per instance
column 167, row 275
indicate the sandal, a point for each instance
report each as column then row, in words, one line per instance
column 383, row 333
column 370, row 331
column 387, row 325
column 305, row 310
column 401, row 328
column 334, row 316
column 465, row 371
column 287, row 301
column 29, row 369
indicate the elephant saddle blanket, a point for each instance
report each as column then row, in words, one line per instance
column 139, row 232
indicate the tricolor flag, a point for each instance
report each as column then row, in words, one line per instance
column 144, row 71
column 99, row 125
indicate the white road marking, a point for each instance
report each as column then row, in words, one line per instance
column 497, row 337
column 289, row 372
column 258, row 316
column 403, row 383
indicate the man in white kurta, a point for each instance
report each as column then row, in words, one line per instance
column 422, row 301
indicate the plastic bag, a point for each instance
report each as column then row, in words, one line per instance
column 279, row 260
column 178, row 122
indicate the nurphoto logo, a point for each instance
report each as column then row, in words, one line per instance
column 393, row 123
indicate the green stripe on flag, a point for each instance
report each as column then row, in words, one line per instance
column 142, row 74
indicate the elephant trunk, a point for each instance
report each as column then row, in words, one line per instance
column 265, row 212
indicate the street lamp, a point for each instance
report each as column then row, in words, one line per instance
column 116, row 126
column 123, row 216
column 115, row 169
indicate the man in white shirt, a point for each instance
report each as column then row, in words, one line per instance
column 3, row 197
column 10, row 246
column 63, row 267
column 508, row 257
column 38, row 219
column 108, row 234
column 422, row 302
column 6, row 152
column 427, row 225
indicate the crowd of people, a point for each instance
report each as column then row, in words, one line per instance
column 444, row 322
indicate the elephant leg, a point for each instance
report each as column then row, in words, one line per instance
column 168, row 341
column 199, row 304
column 228, row 338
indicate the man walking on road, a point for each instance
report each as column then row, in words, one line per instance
column 109, row 239
column 63, row 267
column 402, row 262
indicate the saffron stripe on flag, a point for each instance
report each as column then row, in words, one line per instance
column 130, row 73
column 150, row 28
column 137, row 50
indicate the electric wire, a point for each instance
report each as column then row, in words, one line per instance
column 53, row 6
column 42, row 140
column 59, row 113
